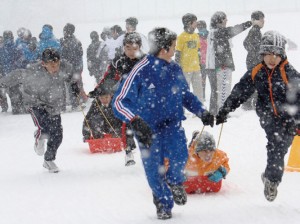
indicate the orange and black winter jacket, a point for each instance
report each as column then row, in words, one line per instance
column 272, row 88
column 197, row 167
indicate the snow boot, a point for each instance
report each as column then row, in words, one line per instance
column 270, row 190
column 179, row 194
column 161, row 212
column 51, row 166
column 129, row 159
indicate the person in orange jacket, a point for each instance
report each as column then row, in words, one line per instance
column 206, row 165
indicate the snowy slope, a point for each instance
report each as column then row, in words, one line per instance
column 97, row 188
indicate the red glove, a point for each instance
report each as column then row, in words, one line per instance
column 298, row 132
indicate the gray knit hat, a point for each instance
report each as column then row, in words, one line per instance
column 273, row 42
column 204, row 141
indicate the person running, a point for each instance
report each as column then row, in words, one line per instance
column 43, row 92
column 151, row 99
column 277, row 85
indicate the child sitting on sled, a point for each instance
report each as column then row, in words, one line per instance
column 100, row 120
column 206, row 165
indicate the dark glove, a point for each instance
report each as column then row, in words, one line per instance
column 247, row 24
column 142, row 131
column 221, row 117
column 85, row 138
column 94, row 94
column 75, row 89
column 217, row 175
column 207, row 118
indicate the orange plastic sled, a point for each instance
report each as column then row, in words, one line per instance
column 108, row 144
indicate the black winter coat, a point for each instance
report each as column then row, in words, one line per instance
column 71, row 51
column 252, row 44
column 93, row 60
column 120, row 66
column 223, row 54
column 99, row 125
column 279, row 91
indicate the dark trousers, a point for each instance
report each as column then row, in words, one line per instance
column 204, row 73
column 3, row 100
column 280, row 138
column 50, row 127
column 16, row 99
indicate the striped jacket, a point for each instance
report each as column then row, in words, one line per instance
column 157, row 91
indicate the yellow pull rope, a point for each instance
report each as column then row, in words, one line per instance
column 86, row 121
column 106, row 119
column 220, row 135
column 202, row 130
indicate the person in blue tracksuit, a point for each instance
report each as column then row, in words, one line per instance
column 151, row 98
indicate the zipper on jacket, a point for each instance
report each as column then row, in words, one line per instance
column 270, row 89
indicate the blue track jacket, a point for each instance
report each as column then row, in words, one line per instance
column 157, row 91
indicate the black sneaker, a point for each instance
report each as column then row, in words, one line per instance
column 161, row 212
column 179, row 194
column 270, row 190
column 129, row 158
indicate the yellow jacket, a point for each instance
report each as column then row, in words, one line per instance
column 189, row 45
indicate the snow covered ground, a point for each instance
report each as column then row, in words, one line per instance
column 98, row 188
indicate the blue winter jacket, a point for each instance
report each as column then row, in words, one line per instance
column 29, row 56
column 10, row 57
column 157, row 91
column 48, row 40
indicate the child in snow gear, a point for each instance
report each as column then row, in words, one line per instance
column 147, row 96
column 277, row 85
column 252, row 43
column 219, row 55
column 206, row 165
column 210, row 73
column 131, row 26
column 101, row 120
column 188, row 54
column 96, row 57
column 122, row 64
column 11, row 58
column 43, row 91
column 71, row 51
